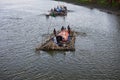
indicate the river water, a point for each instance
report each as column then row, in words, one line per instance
column 23, row 25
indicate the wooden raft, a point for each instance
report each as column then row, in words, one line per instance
column 50, row 45
column 57, row 14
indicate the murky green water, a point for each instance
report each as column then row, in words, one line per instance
column 22, row 25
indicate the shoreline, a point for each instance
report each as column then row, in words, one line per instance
column 106, row 9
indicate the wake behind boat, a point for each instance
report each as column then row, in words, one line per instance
column 63, row 40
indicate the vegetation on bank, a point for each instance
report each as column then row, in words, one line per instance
column 101, row 3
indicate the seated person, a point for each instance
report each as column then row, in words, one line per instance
column 59, row 40
column 58, row 9
column 63, row 36
column 64, row 33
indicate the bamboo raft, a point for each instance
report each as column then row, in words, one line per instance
column 53, row 12
column 50, row 45
column 57, row 14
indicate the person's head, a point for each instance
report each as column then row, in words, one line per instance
column 62, row 28
column 61, row 7
column 57, row 6
column 65, row 7
column 54, row 31
column 51, row 9
column 68, row 27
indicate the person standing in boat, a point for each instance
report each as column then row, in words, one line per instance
column 68, row 27
column 52, row 10
column 54, row 31
column 55, row 9
column 69, row 31
column 62, row 28
column 65, row 8
column 55, row 34
column 52, row 13
column 58, row 9
column 57, row 39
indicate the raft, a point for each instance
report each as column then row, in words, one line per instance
column 50, row 45
column 54, row 12
column 57, row 14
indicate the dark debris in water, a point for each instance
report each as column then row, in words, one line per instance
column 15, row 18
column 45, row 35
column 81, row 34
column 70, row 10
column 42, row 14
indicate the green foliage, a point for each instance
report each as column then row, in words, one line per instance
column 100, row 2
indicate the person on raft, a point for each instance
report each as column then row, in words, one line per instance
column 62, row 37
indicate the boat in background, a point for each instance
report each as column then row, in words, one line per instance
column 59, row 11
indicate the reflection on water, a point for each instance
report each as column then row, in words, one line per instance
column 22, row 25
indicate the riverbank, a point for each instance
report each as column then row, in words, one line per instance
column 104, row 8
